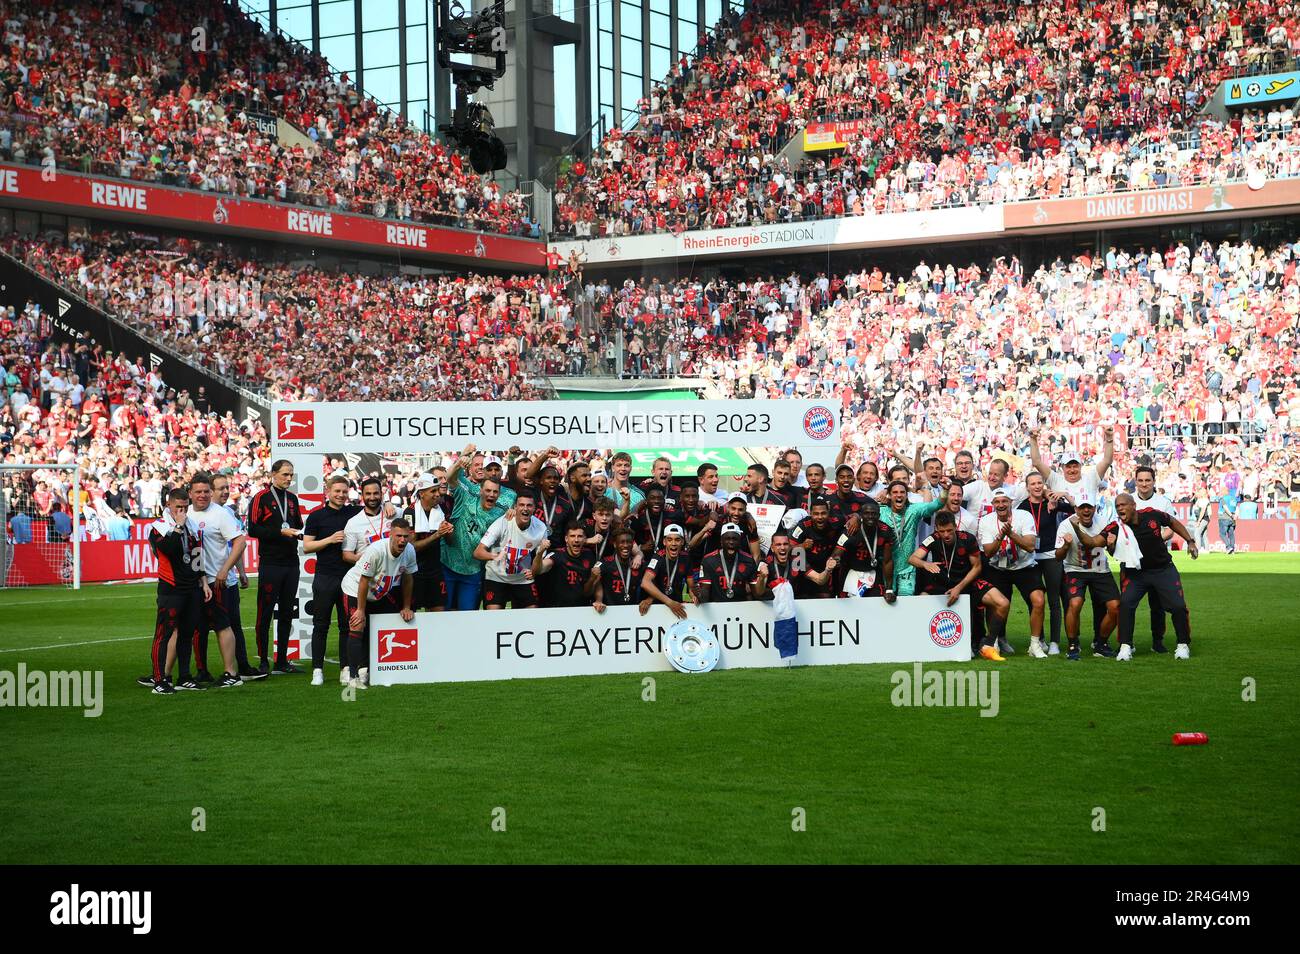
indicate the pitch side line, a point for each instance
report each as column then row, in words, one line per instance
column 90, row 642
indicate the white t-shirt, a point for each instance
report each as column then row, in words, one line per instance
column 383, row 569
column 1089, row 481
column 217, row 530
column 516, row 546
column 362, row 530
column 1074, row 562
column 977, row 496
column 1156, row 502
column 1010, row 556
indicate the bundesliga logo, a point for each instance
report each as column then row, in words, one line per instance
column 945, row 628
column 399, row 645
column 818, row 423
column 296, row 425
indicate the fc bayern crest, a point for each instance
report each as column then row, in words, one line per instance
column 945, row 628
column 819, row 423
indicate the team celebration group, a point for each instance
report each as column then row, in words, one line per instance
column 543, row 530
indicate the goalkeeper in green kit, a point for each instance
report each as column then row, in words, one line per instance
column 903, row 517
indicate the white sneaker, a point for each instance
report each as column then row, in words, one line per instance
column 1125, row 653
column 1182, row 651
column 357, row 684
column 318, row 677
column 345, row 675
column 1053, row 649
column 365, row 677
column 1036, row 650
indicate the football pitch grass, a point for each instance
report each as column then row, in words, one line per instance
column 712, row 770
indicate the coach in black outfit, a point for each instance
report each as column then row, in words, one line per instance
column 275, row 521
column 323, row 536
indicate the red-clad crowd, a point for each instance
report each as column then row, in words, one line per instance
column 959, row 103
column 131, row 434
column 1191, row 350
column 128, row 88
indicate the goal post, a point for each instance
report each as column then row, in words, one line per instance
column 36, row 548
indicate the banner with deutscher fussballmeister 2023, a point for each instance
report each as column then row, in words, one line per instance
column 416, row 426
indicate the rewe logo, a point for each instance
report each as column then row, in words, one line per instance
column 64, row 305
column 77, row 907
column 313, row 223
column 399, row 645
column 296, row 425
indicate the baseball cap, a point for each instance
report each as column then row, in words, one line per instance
column 488, row 462
column 1071, row 457
column 675, row 530
column 1085, row 500
column 732, row 528
column 735, row 495
column 427, row 482
column 1002, row 492
column 843, row 467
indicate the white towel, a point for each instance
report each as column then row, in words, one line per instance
column 427, row 522
column 1127, row 550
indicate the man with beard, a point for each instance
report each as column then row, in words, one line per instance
column 756, row 489
column 1146, row 498
column 784, row 562
column 1081, row 548
column 694, row 517
column 816, row 536
column 381, row 581
column 367, row 525
column 223, row 544
column 868, row 553
column 729, row 574
column 903, row 517
column 569, row 570
column 577, row 491
column 1135, row 538
column 667, row 573
column 950, row 565
column 236, row 581
column 710, row 537
column 1010, row 543
column 618, row 580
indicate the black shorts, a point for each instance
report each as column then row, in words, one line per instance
column 430, row 591
column 938, row 586
column 1007, row 581
column 215, row 617
column 517, row 595
column 1101, row 586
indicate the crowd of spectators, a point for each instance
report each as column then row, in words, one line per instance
column 132, row 435
column 1189, row 350
column 163, row 92
column 960, row 103
column 302, row 333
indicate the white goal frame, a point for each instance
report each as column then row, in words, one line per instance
column 76, row 517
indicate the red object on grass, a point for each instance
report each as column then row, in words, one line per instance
column 1190, row 738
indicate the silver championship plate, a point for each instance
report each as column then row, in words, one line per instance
column 691, row 647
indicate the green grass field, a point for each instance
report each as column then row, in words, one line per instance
column 709, row 772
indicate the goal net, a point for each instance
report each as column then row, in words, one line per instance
column 42, row 513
